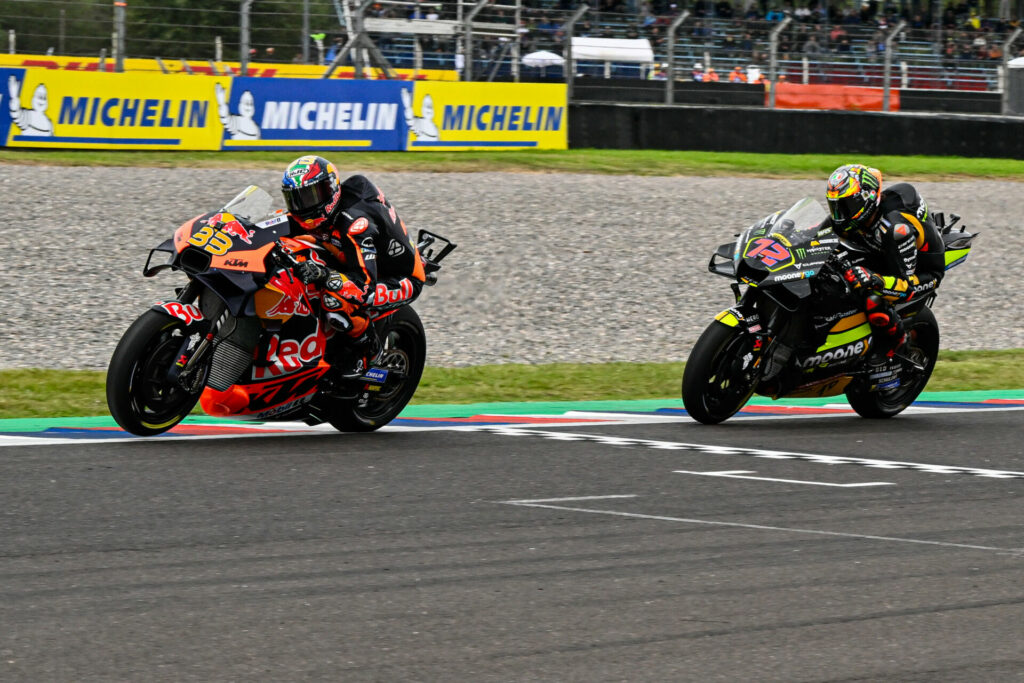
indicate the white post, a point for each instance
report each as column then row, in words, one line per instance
column 569, row 66
column 670, row 81
column 515, row 57
column 119, row 30
column 807, row 71
column 10, row 41
column 243, row 38
column 305, row 31
column 218, row 49
column 904, row 75
column 887, row 68
column 773, row 58
column 417, row 55
column 1004, row 72
column 467, row 37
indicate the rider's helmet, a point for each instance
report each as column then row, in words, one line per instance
column 853, row 193
column 311, row 190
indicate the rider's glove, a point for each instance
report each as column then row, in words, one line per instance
column 312, row 273
column 863, row 280
column 346, row 288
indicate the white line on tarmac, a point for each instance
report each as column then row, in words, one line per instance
column 739, row 474
column 711, row 449
column 763, row 527
column 564, row 500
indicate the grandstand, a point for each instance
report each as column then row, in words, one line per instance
column 837, row 46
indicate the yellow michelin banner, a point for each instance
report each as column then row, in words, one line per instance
column 46, row 108
column 211, row 68
column 464, row 116
column 103, row 111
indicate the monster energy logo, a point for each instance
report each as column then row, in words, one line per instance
column 801, row 253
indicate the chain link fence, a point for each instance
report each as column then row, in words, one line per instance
column 678, row 51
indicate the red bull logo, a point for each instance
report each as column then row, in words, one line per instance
column 294, row 301
column 383, row 296
column 288, row 355
column 229, row 225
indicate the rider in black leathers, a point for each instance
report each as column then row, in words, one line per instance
column 904, row 248
column 374, row 261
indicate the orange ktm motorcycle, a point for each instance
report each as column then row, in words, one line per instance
column 242, row 289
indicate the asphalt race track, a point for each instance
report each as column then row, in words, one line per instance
column 764, row 549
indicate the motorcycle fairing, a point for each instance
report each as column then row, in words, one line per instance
column 734, row 317
column 830, row 386
column 284, row 375
column 846, row 331
column 187, row 313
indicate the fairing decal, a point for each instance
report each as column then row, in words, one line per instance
column 187, row 313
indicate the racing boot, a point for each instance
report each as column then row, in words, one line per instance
column 888, row 337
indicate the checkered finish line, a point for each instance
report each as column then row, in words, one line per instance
column 609, row 440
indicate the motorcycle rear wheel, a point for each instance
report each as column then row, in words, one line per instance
column 715, row 383
column 139, row 397
column 923, row 348
column 405, row 352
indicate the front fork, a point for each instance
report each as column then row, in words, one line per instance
column 195, row 347
column 770, row 358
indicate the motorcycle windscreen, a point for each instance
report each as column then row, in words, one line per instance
column 792, row 247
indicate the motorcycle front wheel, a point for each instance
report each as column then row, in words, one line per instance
column 923, row 348
column 140, row 397
column 405, row 352
column 719, row 377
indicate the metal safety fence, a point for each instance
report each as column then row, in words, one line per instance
column 811, row 59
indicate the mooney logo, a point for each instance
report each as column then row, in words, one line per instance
column 842, row 353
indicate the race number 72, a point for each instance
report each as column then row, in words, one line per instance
column 768, row 251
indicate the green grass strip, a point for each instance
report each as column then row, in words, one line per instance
column 633, row 162
column 61, row 393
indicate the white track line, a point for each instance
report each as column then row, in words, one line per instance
column 739, row 474
column 711, row 449
column 765, row 527
column 565, row 500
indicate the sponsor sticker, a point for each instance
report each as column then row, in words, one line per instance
column 186, row 312
column 358, row 226
column 376, row 375
column 842, row 353
column 270, row 222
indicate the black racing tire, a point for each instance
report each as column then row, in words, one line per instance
column 405, row 351
column 923, row 347
column 139, row 398
column 715, row 383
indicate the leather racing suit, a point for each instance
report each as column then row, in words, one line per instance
column 375, row 262
column 905, row 249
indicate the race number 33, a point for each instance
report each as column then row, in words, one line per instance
column 211, row 240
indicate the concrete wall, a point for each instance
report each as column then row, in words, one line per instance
column 735, row 129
